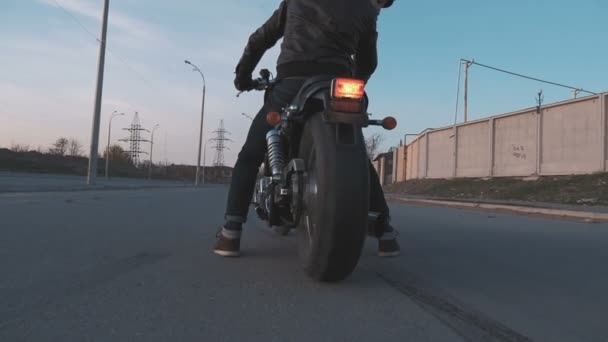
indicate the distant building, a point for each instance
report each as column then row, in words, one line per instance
column 218, row 174
column 384, row 167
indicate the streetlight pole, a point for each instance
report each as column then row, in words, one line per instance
column 467, row 65
column 200, row 138
column 114, row 114
column 92, row 171
column 247, row 116
column 205, row 157
column 151, row 150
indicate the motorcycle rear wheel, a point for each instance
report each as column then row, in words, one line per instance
column 336, row 199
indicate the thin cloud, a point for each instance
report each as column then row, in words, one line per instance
column 127, row 24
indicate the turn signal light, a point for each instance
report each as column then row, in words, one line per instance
column 389, row 123
column 273, row 118
column 347, row 88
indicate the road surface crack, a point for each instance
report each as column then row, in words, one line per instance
column 468, row 324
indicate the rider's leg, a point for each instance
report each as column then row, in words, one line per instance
column 386, row 234
column 377, row 202
column 252, row 155
column 245, row 171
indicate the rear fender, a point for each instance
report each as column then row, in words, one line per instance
column 314, row 98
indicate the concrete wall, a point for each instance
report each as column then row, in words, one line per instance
column 412, row 161
column 571, row 138
column 401, row 164
column 605, row 143
column 561, row 139
column 473, row 152
column 515, row 145
column 422, row 157
column 441, row 154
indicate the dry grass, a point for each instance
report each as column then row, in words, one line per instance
column 584, row 190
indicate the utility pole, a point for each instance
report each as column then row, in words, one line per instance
column 205, row 158
column 539, row 100
column 151, row 150
column 467, row 65
column 92, row 172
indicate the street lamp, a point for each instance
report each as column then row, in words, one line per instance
column 247, row 116
column 200, row 138
column 151, row 150
column 114, row 114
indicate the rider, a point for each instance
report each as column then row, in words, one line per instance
column 320, row 37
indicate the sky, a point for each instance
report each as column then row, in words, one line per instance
column 48, row 65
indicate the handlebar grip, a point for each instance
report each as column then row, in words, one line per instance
column 265, row 74
column 259, row 84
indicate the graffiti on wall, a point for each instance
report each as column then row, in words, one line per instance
column 519, row 152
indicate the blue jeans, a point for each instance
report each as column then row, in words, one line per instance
column 252, row 156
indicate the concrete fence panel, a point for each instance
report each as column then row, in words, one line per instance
column 604, row 133
column 400, row 164
column 416, row 160
column 515, row 139
column 571, row 138
column 412, row 161
column 441, row 154
column 473, row 151
column 422, row 157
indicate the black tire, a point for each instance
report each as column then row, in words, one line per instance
column 336, row 200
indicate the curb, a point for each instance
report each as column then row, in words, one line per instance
column 562, row 213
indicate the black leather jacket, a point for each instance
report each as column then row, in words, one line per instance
column 320, row 37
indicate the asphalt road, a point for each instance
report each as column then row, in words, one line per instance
column 137, row 266
column 11, row 182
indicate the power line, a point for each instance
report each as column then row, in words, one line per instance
column 66, row 11
column 118, row 56
column 133, row 70
column 530, row 78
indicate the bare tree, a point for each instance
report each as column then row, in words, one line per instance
column 20, row 148
column 372, row 144
column 60, row 147
column 117, row 154
column 74, row 148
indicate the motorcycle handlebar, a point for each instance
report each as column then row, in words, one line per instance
column 262, row 83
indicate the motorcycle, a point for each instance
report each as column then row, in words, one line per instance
column 316, row 173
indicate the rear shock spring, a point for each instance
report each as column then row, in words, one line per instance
column 275, row 154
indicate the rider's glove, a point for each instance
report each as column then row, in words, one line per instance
column 243, row 82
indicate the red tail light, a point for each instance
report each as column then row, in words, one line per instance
column 346, row 88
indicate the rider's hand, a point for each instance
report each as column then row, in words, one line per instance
column 244, row 82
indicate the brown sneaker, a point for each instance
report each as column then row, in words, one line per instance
column 227, row 246
column 388, row 246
